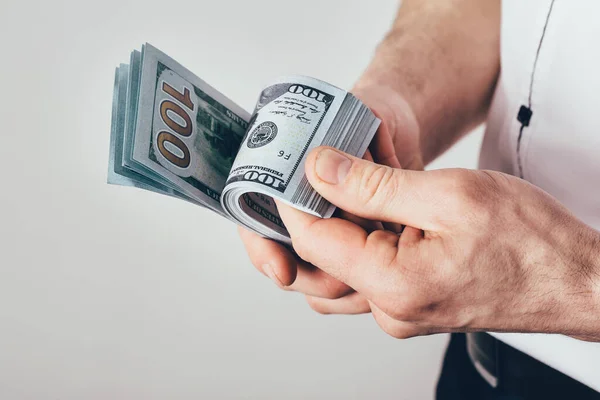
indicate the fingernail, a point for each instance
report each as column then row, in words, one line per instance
column 331, row 166
column 267, row 269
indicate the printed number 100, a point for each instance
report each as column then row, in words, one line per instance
column 172, row 136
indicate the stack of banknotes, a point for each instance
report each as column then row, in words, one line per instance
column 174, row 134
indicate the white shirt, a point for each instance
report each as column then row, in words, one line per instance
column 560, row 149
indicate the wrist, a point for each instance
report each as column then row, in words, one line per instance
column 386, row 71
column 581, row 295
column 590, row 267
column 399, row 132
column 416, row 61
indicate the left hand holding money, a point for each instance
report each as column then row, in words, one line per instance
column 481, row 250
column 395, row 144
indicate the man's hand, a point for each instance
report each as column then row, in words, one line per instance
column 396, row 144
column 428, row 90
column 481, row 250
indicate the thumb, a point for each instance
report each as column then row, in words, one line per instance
column 375, row 191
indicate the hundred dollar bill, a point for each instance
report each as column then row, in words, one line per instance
column 172, row 133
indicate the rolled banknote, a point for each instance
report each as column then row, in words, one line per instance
column 172, row 133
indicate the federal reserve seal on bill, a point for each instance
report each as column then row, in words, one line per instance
column 263, row 134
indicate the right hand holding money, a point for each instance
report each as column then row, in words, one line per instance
column 396, row 144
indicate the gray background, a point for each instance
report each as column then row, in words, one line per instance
column 114, row 293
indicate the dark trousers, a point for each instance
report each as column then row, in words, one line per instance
column 460, row 380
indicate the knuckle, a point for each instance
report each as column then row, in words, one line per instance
column 335, row 289
column 403, row 333
column 379, row 236
column 409, row 296
column 395, row 329
column 382, row 249
column 409, row 308
column 403, row 311
column 376, row 182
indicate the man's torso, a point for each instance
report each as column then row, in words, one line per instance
column 551, row 70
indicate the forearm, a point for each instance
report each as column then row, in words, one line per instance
column 443, row 57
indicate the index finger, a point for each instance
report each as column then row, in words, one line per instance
column 342, row 249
